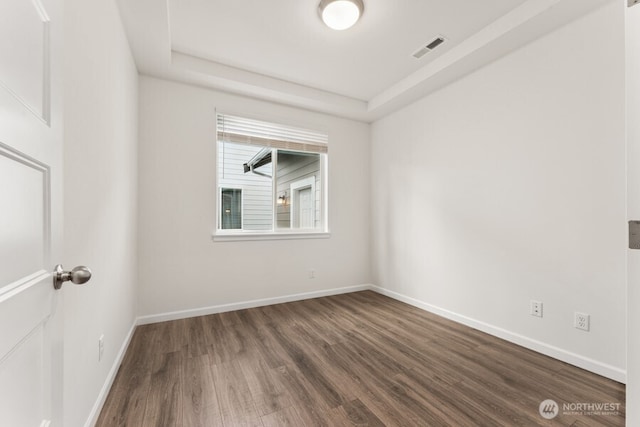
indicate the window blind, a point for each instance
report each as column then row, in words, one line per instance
column 241, row 130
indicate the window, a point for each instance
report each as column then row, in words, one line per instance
column 271, row 179
column 231, row 208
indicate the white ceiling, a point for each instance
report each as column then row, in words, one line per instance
column 281, row 51
column 286, row 38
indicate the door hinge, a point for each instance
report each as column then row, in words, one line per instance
column 632, row 2
column 634, row 234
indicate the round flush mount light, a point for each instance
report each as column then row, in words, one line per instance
column 340, row 14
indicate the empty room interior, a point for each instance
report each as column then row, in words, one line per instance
column 332, row 213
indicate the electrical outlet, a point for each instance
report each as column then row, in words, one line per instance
column 100, row 347
column 581, row 321
column 312, row 274
column 536, row 308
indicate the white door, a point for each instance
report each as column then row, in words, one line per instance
column 30, row 212
column 303, row 206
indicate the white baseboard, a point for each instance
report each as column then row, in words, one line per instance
column 590, row 365
column 104, row 392
column 184, row 314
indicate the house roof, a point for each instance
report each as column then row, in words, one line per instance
column 263, row 157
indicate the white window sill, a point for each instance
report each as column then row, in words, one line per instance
column 248, row 236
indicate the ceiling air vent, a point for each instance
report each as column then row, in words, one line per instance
column 428, row 47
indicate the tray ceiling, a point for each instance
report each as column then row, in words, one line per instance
column 281, row 51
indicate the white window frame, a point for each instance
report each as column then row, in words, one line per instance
column 274, row 233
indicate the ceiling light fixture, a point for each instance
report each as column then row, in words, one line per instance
column 340, row 14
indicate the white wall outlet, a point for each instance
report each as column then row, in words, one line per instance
column 536, row 308
column 100, row 347
column 581, row 321
column 312, row 274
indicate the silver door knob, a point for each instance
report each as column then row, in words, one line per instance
column 79, row 275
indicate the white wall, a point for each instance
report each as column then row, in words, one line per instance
column 180, row 266
column 100, row 107
column 508, row 186
column 632, row 38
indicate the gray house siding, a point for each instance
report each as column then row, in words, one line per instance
column 256, row 189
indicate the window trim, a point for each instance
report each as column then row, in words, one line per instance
column 220, row 235
column 268, row 235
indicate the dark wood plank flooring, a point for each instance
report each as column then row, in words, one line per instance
column 358, row 359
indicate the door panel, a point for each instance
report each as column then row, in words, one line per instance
column 24, row 40
column 21, row 405
column 30, row 213
column 25, row 189
column 306, row 208
column 25, row 377
column 303, row 208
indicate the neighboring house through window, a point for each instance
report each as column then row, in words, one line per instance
column 271, row 178
column 231, row 208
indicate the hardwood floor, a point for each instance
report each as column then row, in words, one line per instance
column 358, row 359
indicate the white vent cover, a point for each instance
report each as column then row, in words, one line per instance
column 428, row 47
